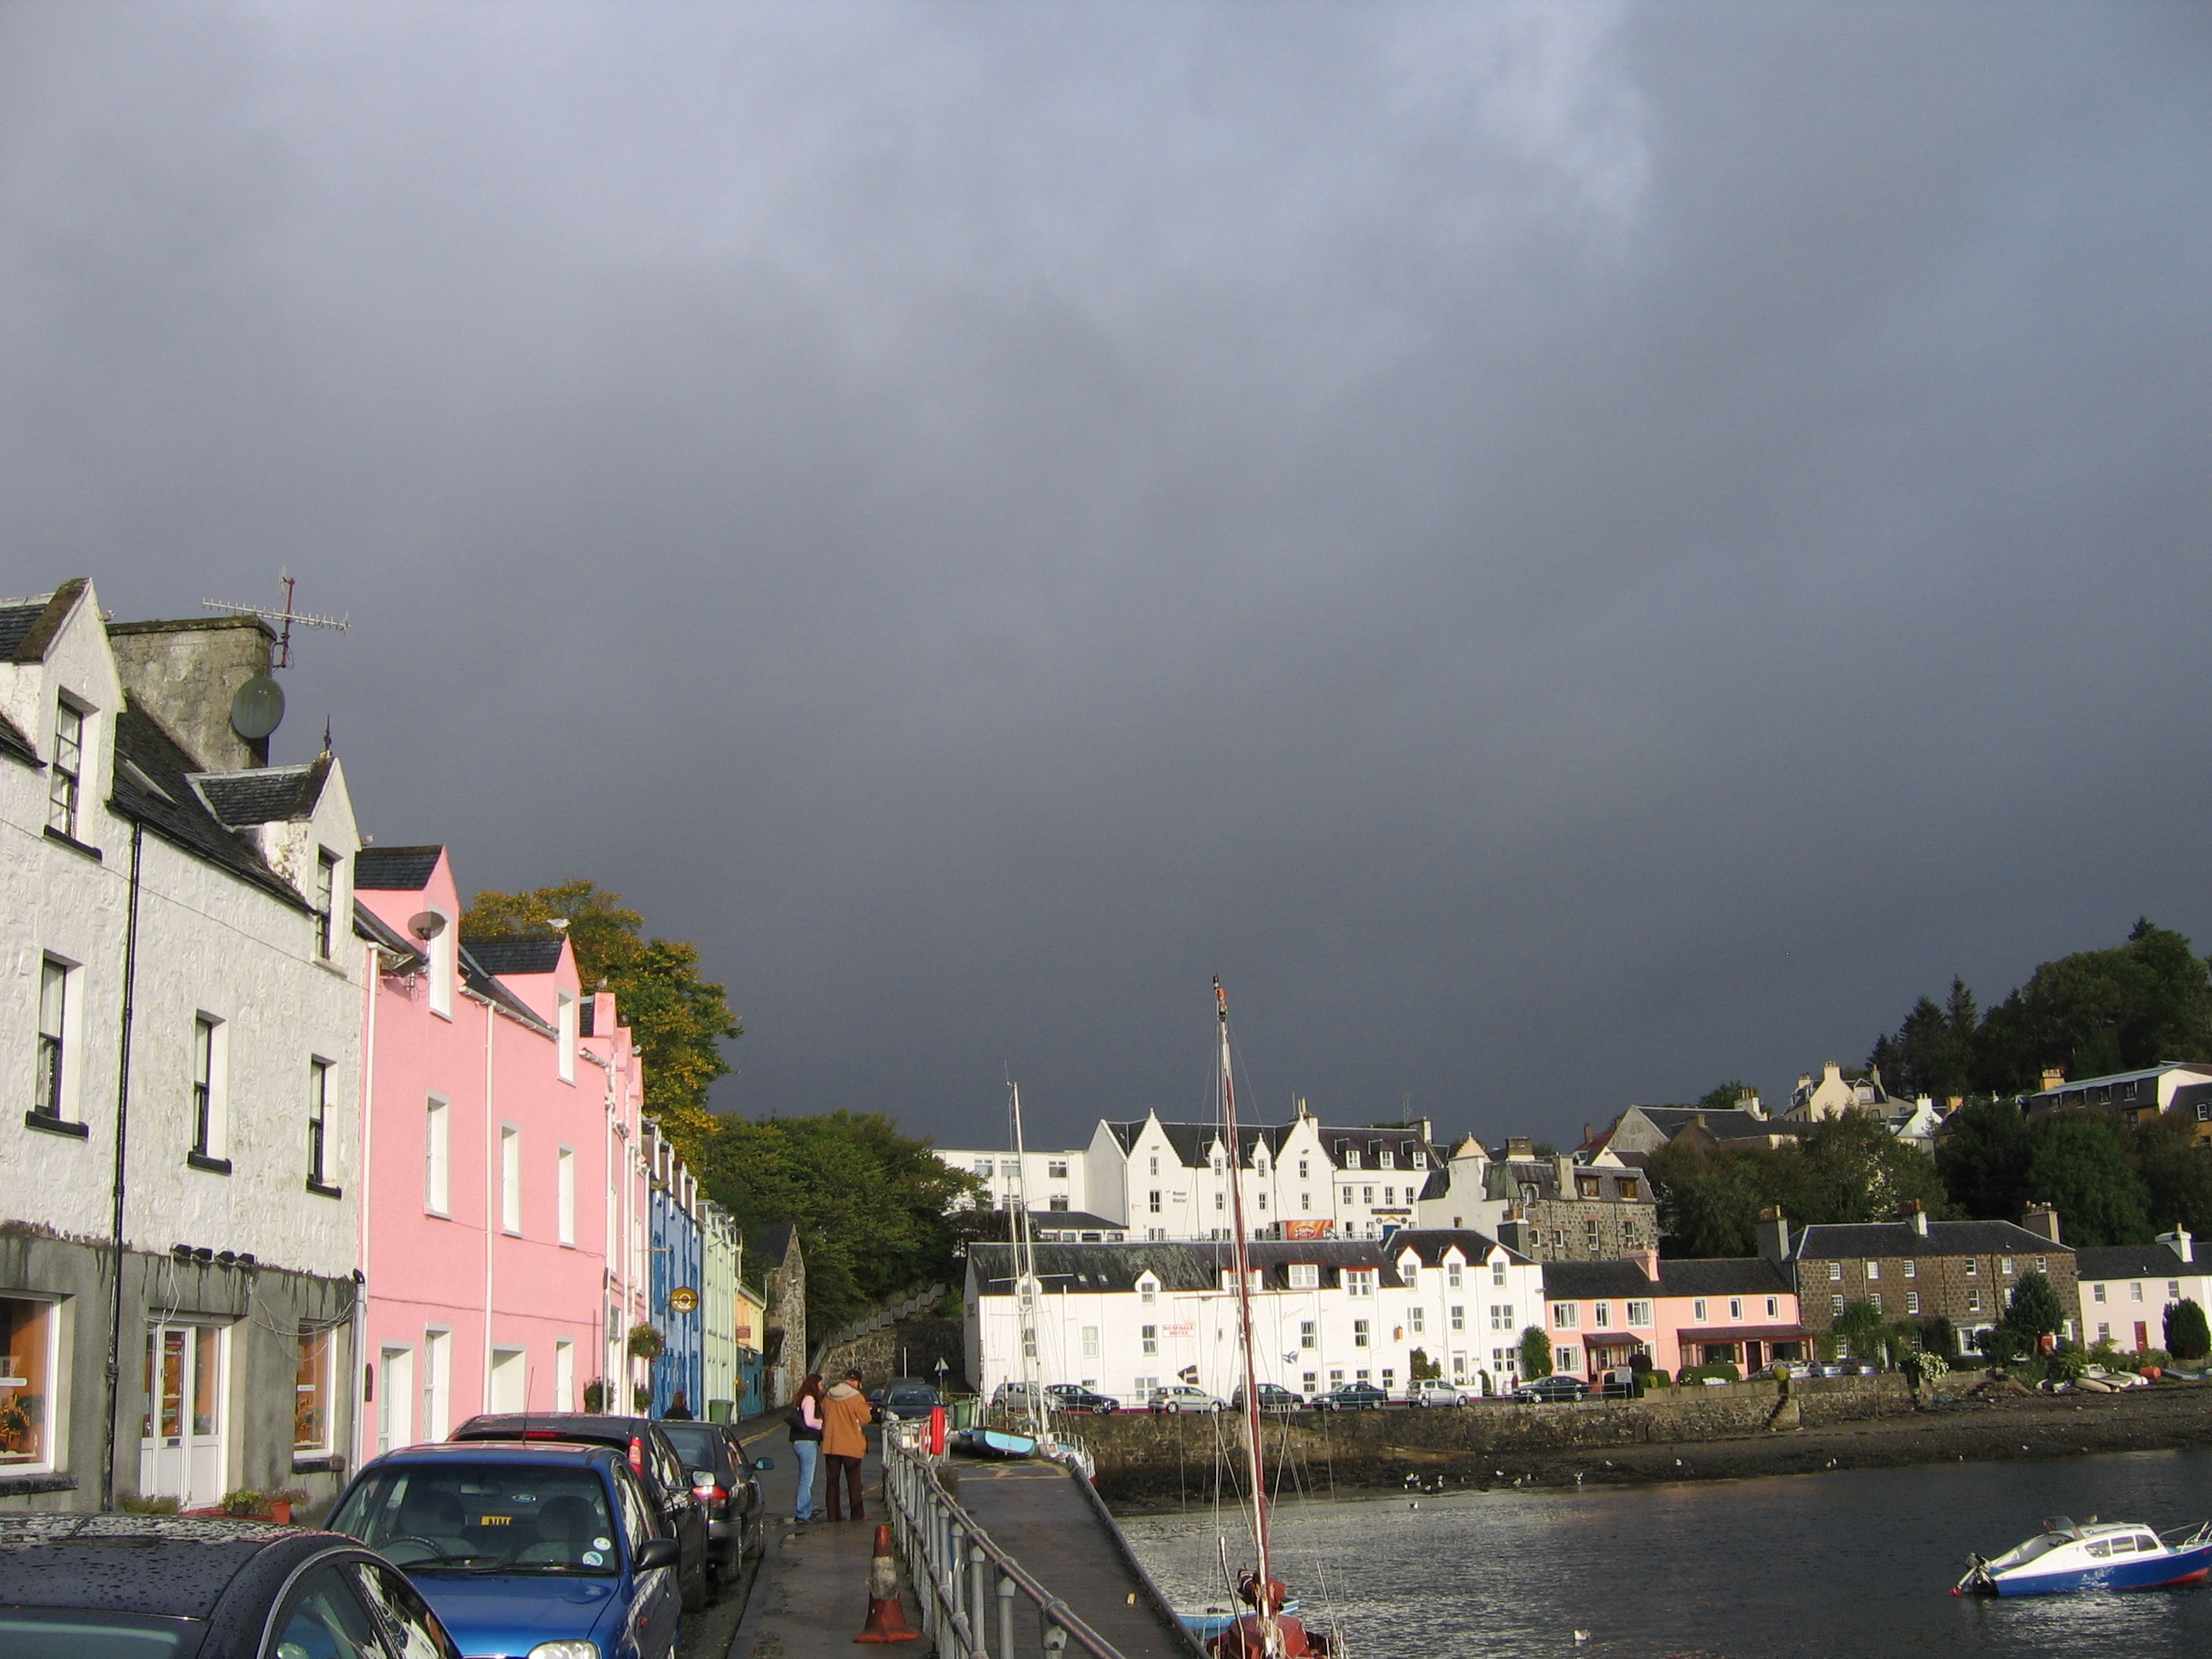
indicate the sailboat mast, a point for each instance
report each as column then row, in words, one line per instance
column 1241, row 1255
column 1026, row 1289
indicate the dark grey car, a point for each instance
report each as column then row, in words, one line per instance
column 737, row 1518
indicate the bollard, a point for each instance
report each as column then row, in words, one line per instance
column 1005, row 1616
column 886, row 1614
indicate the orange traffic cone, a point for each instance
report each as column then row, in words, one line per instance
column 886, row 1614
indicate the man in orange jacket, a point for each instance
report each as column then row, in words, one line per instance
column 845, row 1415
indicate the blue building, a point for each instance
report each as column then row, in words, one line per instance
column 673, row 1238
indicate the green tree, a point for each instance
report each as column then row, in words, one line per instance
column 1535, row 1354
column 1846, row 1169
column 2177, row 1174
column 677, row 1018
column 1727, row 1097
column 1932, row 1052
column 873, row 1207
column 1982, row 1159
column 2187, row 1335
column 1709, row 1202
column 2099, row 1011
column 1861, row 1325
column 1859, row 1171
column 2079, row 1165
column 2034, row 1309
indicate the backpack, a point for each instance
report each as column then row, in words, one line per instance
column 800, row 1430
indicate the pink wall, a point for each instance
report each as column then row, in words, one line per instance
column 463, row 1276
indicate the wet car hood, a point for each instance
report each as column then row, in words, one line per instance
column 502, row 1614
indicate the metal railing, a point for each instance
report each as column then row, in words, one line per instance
column 972, row 1590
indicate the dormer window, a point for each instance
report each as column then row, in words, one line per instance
column 1148, row 1290
column 1303, row 1276
column 1420, row 1159
column 1384, row 1160
column 326, row 883
column 66, row 768
column 1351, row 1158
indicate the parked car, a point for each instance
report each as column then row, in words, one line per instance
column 1350, row 1397
column 1018, row 1397
column 722, row 1485
column 652, row 1458
column 1181, row 1397
column 177, row 1587
column 1073, row 1397
column 1273, row 1397
column 1434, row 1394
column 537, row 1547
column 903, row 1397
column 1552, row 1388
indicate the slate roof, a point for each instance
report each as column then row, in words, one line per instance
column 515, row 953
column 1193, row 1142
column 775, row 1242
column 1737, row 1275
column 2146, row 1074
column 267, row 794
column 16, row 621
column 1180, row 1267
column 394, row 869
column 17, row 746
column 1430, row 1243
column 173, row 809
column 1080, row 1221
column 1582, row 1281
column 2131, row 1261
column 1369, row 1142
column 1506, row 1181
column 27, row 628
column 1900, row 1238
column 367, row 925
column 1729, row 1125
column 485, row 984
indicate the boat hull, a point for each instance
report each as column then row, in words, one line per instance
column 2149, row 1573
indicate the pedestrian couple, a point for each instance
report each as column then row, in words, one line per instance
column 833, row 1424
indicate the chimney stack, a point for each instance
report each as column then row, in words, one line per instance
column 1520, row 1147
column 1914, row 1211
column 1773, row 1234
column 185, row 674
column 2043, row 1221
column 1952, row 1102
column 2180, row 1242
column 1749, row 1102
column 1649, row 1262
column 2054, row 1079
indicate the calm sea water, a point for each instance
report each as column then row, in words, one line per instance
column 1831, row 1566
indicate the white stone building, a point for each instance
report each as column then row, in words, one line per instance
column 2125, row 1289
column 1124, row 1319
column 180, row 1004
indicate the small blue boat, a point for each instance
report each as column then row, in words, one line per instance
column 2109, row 1555
column 1211, row 1623
column 997, row 1442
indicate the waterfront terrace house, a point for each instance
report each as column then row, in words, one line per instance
column 1741, row 1311
column 1916, row 1268
column 2178, row 1090
column 181, row 1009
column 490, row 1157
column 2125, row 1289
column 1128, row 1318
column 1550, row 1209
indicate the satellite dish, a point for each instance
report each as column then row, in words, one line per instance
column 258, row 709
column 426, row 925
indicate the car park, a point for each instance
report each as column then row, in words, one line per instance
column 1273, row 1397
column 723, row 1487
column 76, row 1586
column 1434, row 1394
column 1181, row 1397
column 1351, row 1397
column 537, row 1546
column 652, row 1459
column 1073, row 1397
column 1552, row 1389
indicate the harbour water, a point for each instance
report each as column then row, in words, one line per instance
column 1850, row 1566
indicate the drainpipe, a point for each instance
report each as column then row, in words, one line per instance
column 121, row 1126
column 360, row 1354
column 494, row 1174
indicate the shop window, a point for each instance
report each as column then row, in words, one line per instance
column 27, row 1379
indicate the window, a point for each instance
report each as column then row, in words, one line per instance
column 1873, row 1271
column 1308, row 1382
column 1150, row 1338
column 1367, row 1196
column 1359, row 1281
column 326, row 884
column 1590, row 1240
column 67, row 767
column 1385, row 1160
column 1628, row 1189
column 1221, row 1201
column 1057, row 1169
column 1452, row 1275
column 1304, row 1276
column 564, row 1024
column 510, row 1179
column 1571, row 1359
column 1090, row 1342
column 1736, row 1309
column 1774, row 1307
column 565, row 1176
column 1911, row 1268
column 1836, row 1304
column 1390, row 1195
column 1359, row 1333
column 1147, row 1291
column 1565, row 1315
column 1028, row 1342
column 1586, row 1187
column 1913, row 1302
column 1389, row 1378
column 1416, row 1321
column 1420, row 1160
column 1305, row 1201
column 2043, row 1264
column 1497, row 1271
column 2134, row 1292
column 1156, row 1163
column 1154, row 1198
column 1973, row 1266
column 26, row 1383
column 1308, row 1337
column 1973, row 1302
column 319, row 1147
column 983, row 1168
column 310, row 1395
column 1835, row 1270
column 1501, row 1316
column 1410, row 1273
column 1875, row 1298
column 1602, row 1316
column 1350, row 1159
column 1057, row 1201
column 2173, row 1290
column 208, row 1056
column 1347, row 1195
column 1229, row 1278
column 2005, row 1266
column 1010, row 1168
column 1458, row 1316
column 49, row 1096
column 1698, row 1311
column 1639, row 1314
column 2096, row 1294
column 437, row 1159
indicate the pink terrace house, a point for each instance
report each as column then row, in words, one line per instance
column 493, row 1134
column 1740, row 1310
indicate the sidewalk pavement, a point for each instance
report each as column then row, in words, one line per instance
column 809, row 1597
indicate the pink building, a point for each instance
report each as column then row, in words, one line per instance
column 1739, row 1310
column 498, row 1227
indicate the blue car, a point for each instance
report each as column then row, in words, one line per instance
column 531, row 1548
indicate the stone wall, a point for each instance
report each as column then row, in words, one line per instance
column 921, row 1342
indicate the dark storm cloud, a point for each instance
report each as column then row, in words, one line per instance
column 1568, row 553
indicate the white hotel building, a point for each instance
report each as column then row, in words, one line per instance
column 1125, row 1319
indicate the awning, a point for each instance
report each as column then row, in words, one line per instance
column 1743, row 1334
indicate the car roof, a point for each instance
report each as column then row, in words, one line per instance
column 551, row 1452
column 152, row 1564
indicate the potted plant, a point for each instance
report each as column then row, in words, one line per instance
column 14, row 1423
column 645, row 1342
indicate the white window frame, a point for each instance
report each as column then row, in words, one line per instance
column 1566, row 1316
column 564, row 1024
column 66, row 780
column 68, row 977
column 1304, row 1275
column 212, row 1141
column 444, row 953
column 438, row 1156
column 54, row 1425
column 565, row 1170
column 510, row 1179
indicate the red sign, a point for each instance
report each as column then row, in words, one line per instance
column 1306, row 1229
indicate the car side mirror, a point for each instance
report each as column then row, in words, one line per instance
column 659, row 1552
column 762, row 1465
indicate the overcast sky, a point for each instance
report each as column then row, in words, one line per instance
column 1570, row 553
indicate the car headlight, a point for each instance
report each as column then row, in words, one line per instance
column 565, row 1650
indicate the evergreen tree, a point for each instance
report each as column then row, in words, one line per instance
column 1982, row 1159
column 2187, row 1335
column 2177, row 1174
column 1535, row 1354
column 2100, row 1011
column 2035, row 1310
column 1932, row 1052
column 2079, row 1165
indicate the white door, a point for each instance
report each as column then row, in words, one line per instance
column 395, row 1402
column 181, row 1429
column 437, row 1384
column 509, row 1376
column 564, row 1376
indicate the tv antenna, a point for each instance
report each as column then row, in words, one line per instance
column 284, row 618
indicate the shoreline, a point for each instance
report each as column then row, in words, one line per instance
column 2167, row 1417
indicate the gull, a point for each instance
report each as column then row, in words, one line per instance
column 1581, row 1637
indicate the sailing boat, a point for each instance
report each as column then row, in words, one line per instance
column 999, row 1443
column 1270, row 1631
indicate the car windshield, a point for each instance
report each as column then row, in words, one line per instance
column 912, row 1396
column 695, row 1442
column 67, row 1633
column 484, row 1517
